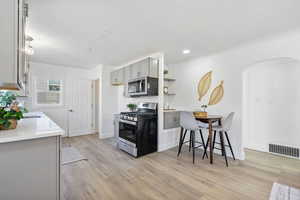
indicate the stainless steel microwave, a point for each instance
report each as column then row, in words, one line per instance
column 145, row 86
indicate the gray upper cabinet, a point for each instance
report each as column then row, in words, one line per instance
column 117, row 77
column 153, row 68
column 134, row 71
column 143, row 68
column 13, row 15
column 140, row 69
column 127, row 73
column 127, row 76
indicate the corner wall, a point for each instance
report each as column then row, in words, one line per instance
column 108, row 103
column 229, row 66
column 57, row 72
column 272, row 104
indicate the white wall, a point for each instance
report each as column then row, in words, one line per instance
column 272, row 96
column 229, row 66
column 108, row 103
column 64, row 73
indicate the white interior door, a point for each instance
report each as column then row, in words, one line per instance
column 79, row 100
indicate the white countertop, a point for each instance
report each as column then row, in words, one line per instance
column 32, row 128
column 171, row 110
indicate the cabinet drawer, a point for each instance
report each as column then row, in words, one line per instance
column 171, row 120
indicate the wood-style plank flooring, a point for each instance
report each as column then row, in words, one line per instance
column 111, row 174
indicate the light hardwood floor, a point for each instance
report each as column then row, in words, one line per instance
column 112, row 174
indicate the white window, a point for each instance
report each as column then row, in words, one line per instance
column 48, row 92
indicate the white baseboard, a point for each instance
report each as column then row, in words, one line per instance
column 106, row 135
column 88, row 132
column 165, row 147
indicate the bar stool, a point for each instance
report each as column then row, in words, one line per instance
column 224, row 128
column 189, row 123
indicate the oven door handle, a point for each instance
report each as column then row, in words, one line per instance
column 127, row 122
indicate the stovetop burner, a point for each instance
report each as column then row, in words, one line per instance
column 144, row 110
column 131, row 116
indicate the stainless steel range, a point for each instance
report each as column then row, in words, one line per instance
column 138, row 130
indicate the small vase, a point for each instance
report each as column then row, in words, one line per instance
column 13, row 125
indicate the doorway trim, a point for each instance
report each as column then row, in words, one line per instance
column 244, row 98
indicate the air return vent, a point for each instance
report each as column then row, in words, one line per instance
column 284, row 150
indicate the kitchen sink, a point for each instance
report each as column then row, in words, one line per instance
column 31, row 116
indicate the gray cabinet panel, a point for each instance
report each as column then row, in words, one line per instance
column 153, row 68
column 8, row 41
column 140, row 69
column 127, row 73
column 30, row 169
column 117, row 77
column 143, row 68
column 13, row 15
column 127, row 77
column 134, row 71
column 171, row 120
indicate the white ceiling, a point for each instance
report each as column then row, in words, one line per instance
column 84, row 33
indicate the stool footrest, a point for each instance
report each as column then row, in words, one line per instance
column 224, row 144
column 198, row 146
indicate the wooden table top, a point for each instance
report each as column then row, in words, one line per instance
column 210, row 117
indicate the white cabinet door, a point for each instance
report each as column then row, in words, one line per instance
column 140, row 69
column 114, row 77
column 127, row 74
column 143, row 68
column 134, row 71
column 153, row 68
column 30, row 169
column 117, row 77
column 8, row 41
column 22, row 57
column 79, row 103
column 127, row 77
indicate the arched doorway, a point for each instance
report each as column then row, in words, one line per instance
column 271, row 104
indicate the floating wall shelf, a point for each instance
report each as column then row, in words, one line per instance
column 169, row 79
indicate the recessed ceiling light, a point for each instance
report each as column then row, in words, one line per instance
column 186, row 51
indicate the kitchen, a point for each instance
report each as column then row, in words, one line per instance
column 96, row 112
column 131, row 77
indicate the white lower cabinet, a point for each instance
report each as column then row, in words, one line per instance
column 30, row 169
column 171, row 120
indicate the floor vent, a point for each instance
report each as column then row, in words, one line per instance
column 284, row 150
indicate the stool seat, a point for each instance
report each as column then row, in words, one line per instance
column 189, row 123
column 223, row 129
column 202, row 125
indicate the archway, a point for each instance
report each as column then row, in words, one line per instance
column 271, row 103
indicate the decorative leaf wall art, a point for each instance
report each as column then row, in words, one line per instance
column 216, row 95
column 204, row 85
